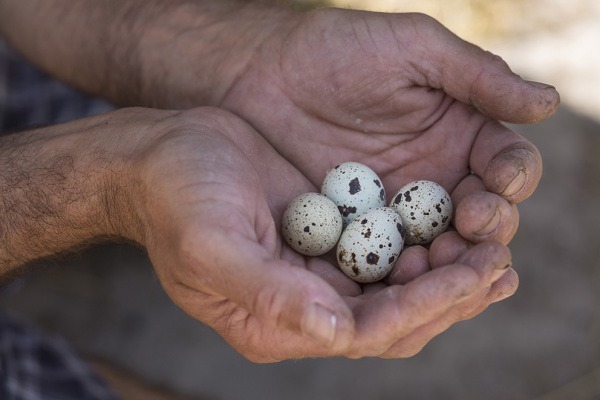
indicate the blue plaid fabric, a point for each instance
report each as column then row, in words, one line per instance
column 34, row 366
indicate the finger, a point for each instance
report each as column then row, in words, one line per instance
column 332, row 275
column 505, row 287
column 396, row 311
column 507, row 163
column 274, row 292
column 371, row 289
column 480, row 215
column 413, row 343
column 412, row 263
column 477, row 77
column 489, row 259
column 501, row 289
column 446, row 249
column 492, row 262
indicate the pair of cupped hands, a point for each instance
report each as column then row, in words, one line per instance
column 397, row 92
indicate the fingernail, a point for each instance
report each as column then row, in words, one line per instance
column 541, row 85
column 499, row 272
column 516, row 184
column 319, row 323
column 491, row 225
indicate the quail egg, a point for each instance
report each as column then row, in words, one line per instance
column 426, row 210
column 371, row 244
column 311, row 224
column 354, row 188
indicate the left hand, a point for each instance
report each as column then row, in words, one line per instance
column 405, row 96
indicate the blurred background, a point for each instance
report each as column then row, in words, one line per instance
column 541, row 344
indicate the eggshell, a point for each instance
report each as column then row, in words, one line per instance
column 311, row 224
column 371, row 244
column 426, row 210
column 354, row 188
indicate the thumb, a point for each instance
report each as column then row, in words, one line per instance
column 482, row 79
column 277, row 294
column 280, row 295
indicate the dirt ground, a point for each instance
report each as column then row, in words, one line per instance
column 542, row 344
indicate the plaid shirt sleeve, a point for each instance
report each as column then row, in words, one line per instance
column 34, row 366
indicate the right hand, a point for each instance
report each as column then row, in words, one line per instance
column 209, row 193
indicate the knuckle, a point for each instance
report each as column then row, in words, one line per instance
column 268, row 305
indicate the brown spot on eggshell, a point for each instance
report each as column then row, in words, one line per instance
column 341, row 255
column 401, row 229
column 354, row 186
column 372, row 258
column 346, row 210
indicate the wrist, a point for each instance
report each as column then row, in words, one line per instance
column 70, row 185
column 193, row 55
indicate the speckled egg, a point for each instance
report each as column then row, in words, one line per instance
column 311, row 224
column 426, row 210
column 371, row 244
column 354, row 188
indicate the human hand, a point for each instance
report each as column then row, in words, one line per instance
column 210, row 193
column 405, row 96
column 185, row 226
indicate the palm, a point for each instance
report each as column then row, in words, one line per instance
column 401, row 94
column 221, row 200
column 219, row 256
column 370, row 109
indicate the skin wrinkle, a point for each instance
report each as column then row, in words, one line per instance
column 473, row 88
column 401, row 46
column 391, row 95
column 420, row 59
column 425, row 154
column 359, row 41
column 481, row 127
column 435, row 116
column 251, row 55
